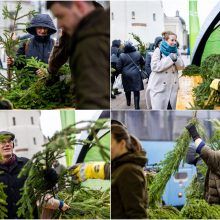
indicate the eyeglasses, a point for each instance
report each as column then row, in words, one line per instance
column 6, row 142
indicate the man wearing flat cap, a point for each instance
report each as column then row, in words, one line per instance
column 10, row 167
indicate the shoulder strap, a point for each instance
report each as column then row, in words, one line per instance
column 26, row 46
column 133, row 62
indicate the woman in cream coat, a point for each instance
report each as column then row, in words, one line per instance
column 163, row 85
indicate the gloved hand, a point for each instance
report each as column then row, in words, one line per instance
column 173, row 56
column 90, row 170
column 10, row 61
column 192, row 131
column 51, row 178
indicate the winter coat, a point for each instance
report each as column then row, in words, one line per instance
column 37, row 46
column 163, row 83
column 148, row 63
column 128, row 187
column 9, row 177
column 131, row 76
column 212, row 181
column 89, row 58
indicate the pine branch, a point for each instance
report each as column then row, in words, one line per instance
column 171, row 163
column 35, row 187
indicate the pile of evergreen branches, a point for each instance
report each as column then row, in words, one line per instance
column 36, row 188
column 209, row 70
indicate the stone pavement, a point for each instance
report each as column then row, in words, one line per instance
column 120, row 101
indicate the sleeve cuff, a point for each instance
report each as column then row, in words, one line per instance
column 199, row 145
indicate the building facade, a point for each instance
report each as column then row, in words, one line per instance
column 26, row 127
column 177, row 25
column 144, row 18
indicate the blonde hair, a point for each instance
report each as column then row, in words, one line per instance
column 166, row 34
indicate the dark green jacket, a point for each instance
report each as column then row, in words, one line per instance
column 128, row 188
column 212, row 182
column 88, row 51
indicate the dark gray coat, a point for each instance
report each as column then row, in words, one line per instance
column 131, row 76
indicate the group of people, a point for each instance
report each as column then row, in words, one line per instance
column 161, row 68
column 85, row 27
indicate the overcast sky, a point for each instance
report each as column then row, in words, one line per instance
column 204, row 8
column 50, row 119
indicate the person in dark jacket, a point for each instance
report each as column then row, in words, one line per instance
column 115, row 53
column 130, row 63
column 128, row 183
column 85, row 41
column 211, row 159
column 157, row 42
column 11, row 167
column 40, row 44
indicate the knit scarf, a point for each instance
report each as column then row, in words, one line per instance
column 166, row 49
column 10, row 161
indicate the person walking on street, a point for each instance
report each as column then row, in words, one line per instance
column 115, row 53
column 163, row 85
column 129, row 64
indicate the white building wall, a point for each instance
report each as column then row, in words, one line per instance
column 175, row 25
column 136, row 17
column 26, row 127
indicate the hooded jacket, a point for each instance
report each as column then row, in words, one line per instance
column 128, row 187
column 38, row 47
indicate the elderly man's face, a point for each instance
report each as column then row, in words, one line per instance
column 6, row 147
column 68, row 18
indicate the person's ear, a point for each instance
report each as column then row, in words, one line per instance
column 122, row 144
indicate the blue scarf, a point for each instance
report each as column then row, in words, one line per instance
column 166, row 49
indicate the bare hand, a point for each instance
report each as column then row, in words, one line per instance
column 10, row 61
column 41, row 72
column 65, row 207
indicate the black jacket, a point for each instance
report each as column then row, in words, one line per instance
column 131, row 76
column 9, row 177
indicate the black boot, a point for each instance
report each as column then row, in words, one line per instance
column 169, row 107
column 116, row 92
column 112, row 95
column 128, row 98
column 137, row 100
